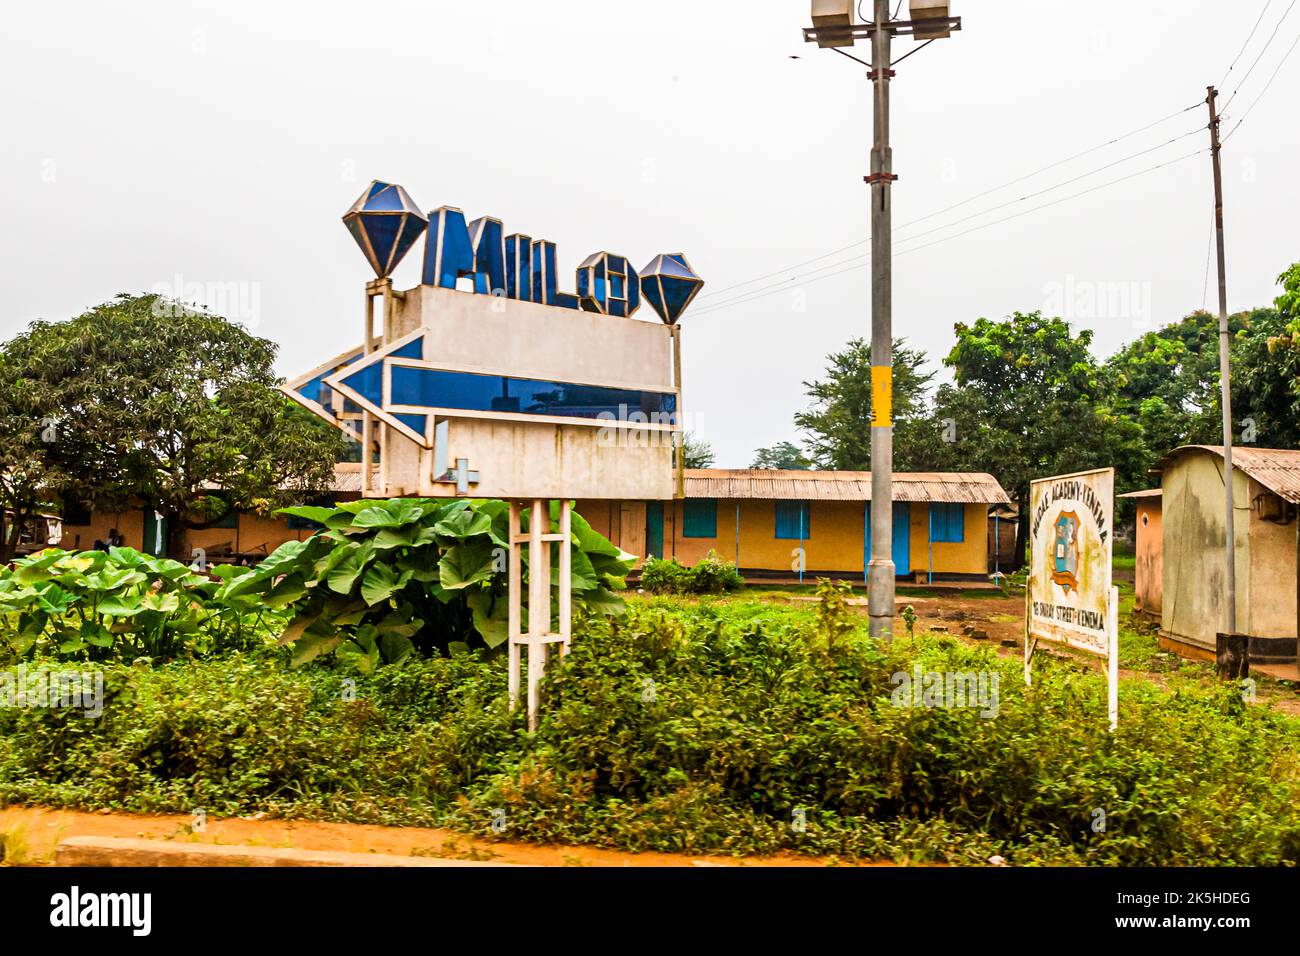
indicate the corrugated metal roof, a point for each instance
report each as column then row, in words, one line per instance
column 1147, row 493
column 347, row 476
column 1277, row 469
column 964, row 487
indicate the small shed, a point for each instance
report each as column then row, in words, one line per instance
column 1266, row 491
column 1148, row 565
column 1004, row 521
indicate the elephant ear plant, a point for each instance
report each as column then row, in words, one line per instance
column 384, row 578
column 119, row 603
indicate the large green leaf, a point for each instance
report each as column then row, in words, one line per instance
column 463, row 524
column 353, row 565
column 309, row 513
column 395, row 647
column 312, row 644
column 381, row 582
column 491, row 618
column 465, row 564
column 95, row 633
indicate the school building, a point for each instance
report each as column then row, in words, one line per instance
column 237, row 537
column 765, row 520
column 761, row 520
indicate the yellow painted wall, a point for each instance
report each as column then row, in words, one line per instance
column 967, row 556
column 82, row 537
column 835, row 541
column 1149, row 562
column 255, row 533
column 1272, row 578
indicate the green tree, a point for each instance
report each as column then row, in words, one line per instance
column 1266, row 368
column 1028, row 400
column 153, row 401
column 696, row 452
column 838, row 423
column 782, row 455
column 1168, row 381
column 26, row 475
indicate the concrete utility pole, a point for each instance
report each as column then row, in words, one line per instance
column 1225, row 374
column 880, row 569
column 833, row 27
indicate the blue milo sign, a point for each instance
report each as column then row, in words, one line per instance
column 385, row 223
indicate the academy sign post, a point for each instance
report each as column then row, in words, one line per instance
column 1070, row 599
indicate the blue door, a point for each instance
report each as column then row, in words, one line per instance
column 654, row 529
column 902, row 539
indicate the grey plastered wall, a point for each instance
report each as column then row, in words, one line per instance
column 1194, row 571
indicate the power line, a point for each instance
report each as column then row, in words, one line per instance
column 1033, row 195
column 1057, row 202
column 1205, row 286
column 1037, row 172
column 757, row 294
column 1280, row 64
column 742, row 296
column 1267, row 4
column 1272, row 36
column 1050, row 166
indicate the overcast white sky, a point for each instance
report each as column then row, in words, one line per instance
column 166, row 144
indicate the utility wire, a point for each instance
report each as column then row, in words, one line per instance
column 861, row 242
column 1280, row 64
column 785, row 282
column 1034, row 195
column 1051, row 166
column 1272, row 36
column 1267, row 4
column 757, row 294
column 1209, row 245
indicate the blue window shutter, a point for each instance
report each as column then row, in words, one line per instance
column 948, row 522
column 700, row 518
column 792, row 520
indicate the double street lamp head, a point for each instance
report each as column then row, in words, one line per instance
column 834, row 22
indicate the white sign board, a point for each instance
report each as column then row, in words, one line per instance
column 1070, row 598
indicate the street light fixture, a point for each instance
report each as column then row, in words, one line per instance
column 833, row 26
column 831, row 14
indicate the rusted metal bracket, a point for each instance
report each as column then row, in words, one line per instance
column 877, row 74
column 880, row 178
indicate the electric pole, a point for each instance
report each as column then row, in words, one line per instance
column 833, row 27
column 1225, row 372
column 880, row 569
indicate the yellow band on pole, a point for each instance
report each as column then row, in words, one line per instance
column 882, row 396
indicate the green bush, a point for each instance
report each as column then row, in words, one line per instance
column 385, row 578
column 122, row 604
column 693, row 728
column 665, row 576
column 710, row 575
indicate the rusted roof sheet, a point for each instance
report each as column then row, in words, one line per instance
column 1277, row 469
column 765, row 484
column 347, row 476
column 1146, row 493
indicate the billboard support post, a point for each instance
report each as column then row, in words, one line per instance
column 1069, row 598
column 539, row 637
column 1112, row 660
